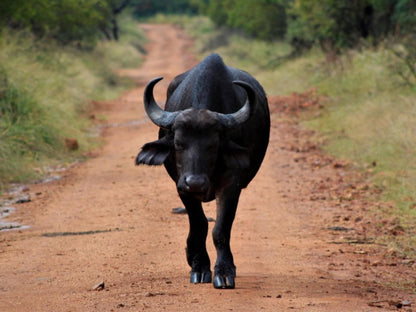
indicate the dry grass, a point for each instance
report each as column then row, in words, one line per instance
column 45, row 90
column 370, row 118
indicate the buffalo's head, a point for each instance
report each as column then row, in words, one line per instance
column 198, row 140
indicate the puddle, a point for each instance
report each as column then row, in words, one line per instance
column 52, row 178
column 19, row 194
column 8, row 226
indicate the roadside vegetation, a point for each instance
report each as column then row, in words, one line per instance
column 361, row 55
column 48, row 76
column 363, row 64
column 370, row 116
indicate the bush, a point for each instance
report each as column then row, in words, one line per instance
column 403, row 63
column 66, row 21
column 146, row 8
column 263, row 19
column 344, row 23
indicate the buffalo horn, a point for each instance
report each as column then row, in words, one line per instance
column 159, row 116
column 240, row 116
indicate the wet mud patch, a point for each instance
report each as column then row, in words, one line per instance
column 5, row 225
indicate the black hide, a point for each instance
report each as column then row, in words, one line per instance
column 207, row 159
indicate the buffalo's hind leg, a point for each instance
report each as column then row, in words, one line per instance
column 196, row 252
column 225, row 271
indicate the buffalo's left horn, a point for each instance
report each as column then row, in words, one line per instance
column 159, row 116
column 242, row 115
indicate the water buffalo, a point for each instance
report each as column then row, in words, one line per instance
column 213, row 135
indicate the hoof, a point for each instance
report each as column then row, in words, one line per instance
column 224, row 282
column 197, row 277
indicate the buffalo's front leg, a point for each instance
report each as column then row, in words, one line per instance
column 225, row 269
column 196, row 252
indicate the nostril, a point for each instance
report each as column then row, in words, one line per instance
column 196, row 183
column 193, row 181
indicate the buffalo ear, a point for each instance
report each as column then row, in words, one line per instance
column 236, row 156
column 155, row 153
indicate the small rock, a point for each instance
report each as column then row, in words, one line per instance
column 71, row 144
column 397, row 304
column 23, row 199
column 408, row 262
column 360, row 252
column 98, row 287
column 340, row 229
column 377, row 304
column 149, row 294
column 397, row 230
column 406, row 303
column 179, row 210
column 338, row 165
column 299, row 159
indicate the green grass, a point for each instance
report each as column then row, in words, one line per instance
column 45, row 91
column 370, row 116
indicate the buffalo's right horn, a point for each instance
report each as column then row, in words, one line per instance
column 243, row 114
column 159, row 116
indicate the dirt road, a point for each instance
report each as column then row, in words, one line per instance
column 295, row 246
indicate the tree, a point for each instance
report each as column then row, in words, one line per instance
column 343, row 23
column 116, row 7
column 333, row 21
column 66, row 21
column 405, row 16
column 219, row 11
column 263, row 19
column 150, row 7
